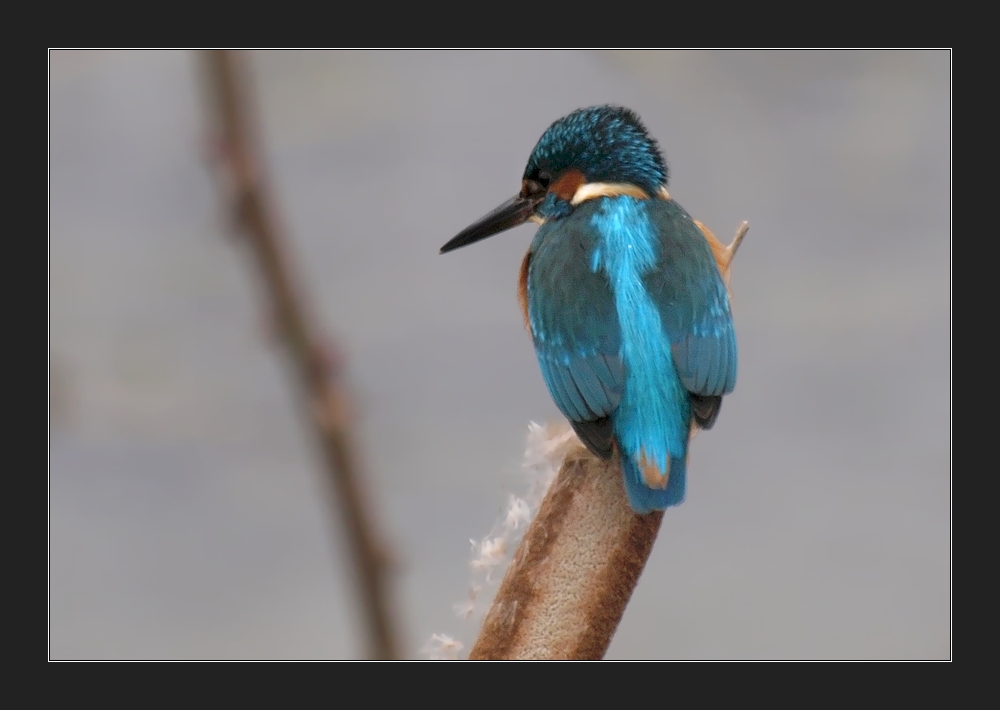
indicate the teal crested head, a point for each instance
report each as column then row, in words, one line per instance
column 592, row 152
column 604, row 144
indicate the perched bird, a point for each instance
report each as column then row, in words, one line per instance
column 625, row 296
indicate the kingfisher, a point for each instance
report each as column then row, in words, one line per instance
column 626, row 298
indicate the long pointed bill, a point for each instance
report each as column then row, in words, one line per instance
column 511, row 213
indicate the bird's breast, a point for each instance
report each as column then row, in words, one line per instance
column 522, row 289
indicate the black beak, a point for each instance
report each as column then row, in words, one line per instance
column 511, row 213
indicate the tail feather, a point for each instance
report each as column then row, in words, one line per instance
column 644, row 499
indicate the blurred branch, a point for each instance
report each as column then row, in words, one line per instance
column 573, row 573
column 322, row 392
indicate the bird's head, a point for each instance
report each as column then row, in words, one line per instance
column 592, row 152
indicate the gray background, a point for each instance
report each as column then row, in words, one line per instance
column 186, row 517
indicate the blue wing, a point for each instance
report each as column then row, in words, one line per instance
column 577, row 335
column 694, row 306
column 575, row 330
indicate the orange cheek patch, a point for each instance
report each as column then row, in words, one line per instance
column 567, row 184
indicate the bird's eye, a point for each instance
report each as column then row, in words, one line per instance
column 538, row 186
column 532, row 188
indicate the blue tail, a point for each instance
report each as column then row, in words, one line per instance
column 644, row 499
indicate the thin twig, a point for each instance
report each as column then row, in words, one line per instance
column 741, row 231
column 322, row 392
